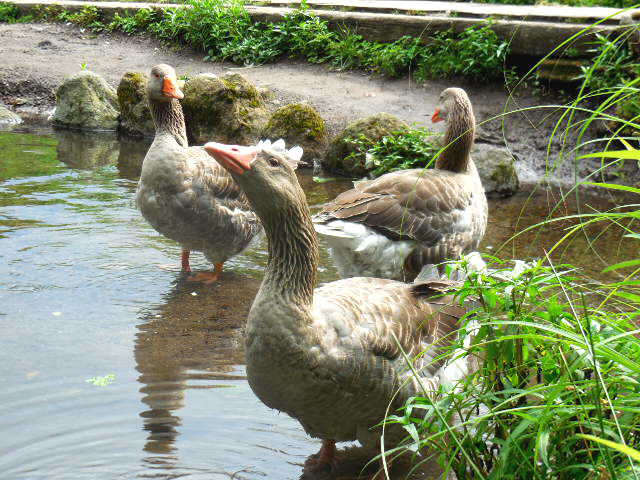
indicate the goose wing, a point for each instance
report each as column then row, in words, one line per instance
column 364, row 324
column 422, row 205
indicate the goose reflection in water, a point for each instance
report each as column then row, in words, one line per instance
column 189, row 338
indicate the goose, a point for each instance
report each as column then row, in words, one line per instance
column 185, row 196
column 329, row 357
column 400, row 222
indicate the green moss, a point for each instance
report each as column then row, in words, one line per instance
column 132, row 89
column 298, row 118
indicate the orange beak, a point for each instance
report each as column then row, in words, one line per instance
column 435, row 118
column 171, row 89
column 235, row 158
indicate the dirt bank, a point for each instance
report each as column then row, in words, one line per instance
column 37, row 57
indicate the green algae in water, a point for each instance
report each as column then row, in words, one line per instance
column 27, row 155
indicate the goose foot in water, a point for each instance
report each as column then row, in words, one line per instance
column 185, row 261
column 324, row 459
column 206, row 277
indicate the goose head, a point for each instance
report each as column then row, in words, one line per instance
column 265, row 172
column 454, row 107
column 163, row 84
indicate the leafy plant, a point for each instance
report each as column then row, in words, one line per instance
column 9, row 12
column 552, row 368
column 398, row 151
column 102, row 381
column 476, row 53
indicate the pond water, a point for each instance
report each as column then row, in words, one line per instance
column 88, row 289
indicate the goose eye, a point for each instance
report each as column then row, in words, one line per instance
column 273, row 162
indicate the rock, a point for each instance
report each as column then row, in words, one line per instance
column 227, row 109
column 496, row 167
column 339, row 157
column 85, row 101
column 135, row 116
column 7, row 117
column 299, row 124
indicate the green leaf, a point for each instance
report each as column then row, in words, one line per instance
column 633, row 453
column 623, row 154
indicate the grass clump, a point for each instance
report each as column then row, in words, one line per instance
column 553, row 368
column 475, row 53
column 9, row 12
column 400, row 150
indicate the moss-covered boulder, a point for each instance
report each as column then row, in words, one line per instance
column 86, row 101
column 135, row 116
column 496, row 167
column 8, row 118
column 227, row 109
column 344, row 157
column 299, row 124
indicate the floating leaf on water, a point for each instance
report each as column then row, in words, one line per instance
column 102, row 381
column 323, row 179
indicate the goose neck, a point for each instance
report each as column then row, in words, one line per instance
column 169, row 120
column 458, row 139
column 293, row 255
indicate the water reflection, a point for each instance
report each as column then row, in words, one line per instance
column 192, row 341
column 87, row 149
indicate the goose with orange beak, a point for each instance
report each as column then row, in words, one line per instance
column 183, row 194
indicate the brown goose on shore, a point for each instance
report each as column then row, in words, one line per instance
column 394, row 225
column 183, row 194
column 329, row 357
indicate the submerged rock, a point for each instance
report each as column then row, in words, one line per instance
column 85, row 101
column 299, row 124
column 135, row 115
column 344, row 156
column 7, row 117
column 227, row 109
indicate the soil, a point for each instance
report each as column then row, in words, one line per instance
column 36, row 58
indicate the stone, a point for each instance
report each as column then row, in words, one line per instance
column 344, row 157
column 7, row 117
column 227, row 109
column 85, row 101
column 299, row 124
column 496, row 167
column 135, row 115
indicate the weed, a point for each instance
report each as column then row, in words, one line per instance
column 9, row 12
column 397, row 151
column 476, row 53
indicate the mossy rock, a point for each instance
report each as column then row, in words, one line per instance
column 299, row 124
column 374, row 128
column 227, row 109
column 135, row 116
column 496, row 167
column 86, row 101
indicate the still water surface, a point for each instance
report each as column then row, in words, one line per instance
column 88, row 289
